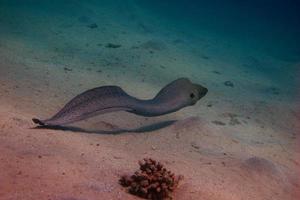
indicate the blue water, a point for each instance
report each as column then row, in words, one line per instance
column 245, row 34
column 267, row 23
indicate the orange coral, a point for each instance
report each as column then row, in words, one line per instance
column 151, row 181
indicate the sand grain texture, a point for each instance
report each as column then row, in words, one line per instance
column 236, row 143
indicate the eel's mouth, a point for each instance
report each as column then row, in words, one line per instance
column 202, row 91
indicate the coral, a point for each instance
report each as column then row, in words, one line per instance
column 151, row 181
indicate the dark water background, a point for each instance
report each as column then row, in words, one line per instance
column 269, row 23
column 271, row 27
column 265, row 22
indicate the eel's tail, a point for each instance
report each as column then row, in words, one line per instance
column 39, row 122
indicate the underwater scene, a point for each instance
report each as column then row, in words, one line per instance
column 140, row 99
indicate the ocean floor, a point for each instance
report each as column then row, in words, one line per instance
column 238, row 142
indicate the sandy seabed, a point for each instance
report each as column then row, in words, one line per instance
column 238, row 142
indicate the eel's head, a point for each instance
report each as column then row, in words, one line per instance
column 189, row 93
column 192, row 92
column 182, row 92
column 196, row 93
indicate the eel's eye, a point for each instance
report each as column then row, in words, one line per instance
column 192, row 95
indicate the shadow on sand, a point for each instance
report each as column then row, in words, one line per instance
column 143, row 129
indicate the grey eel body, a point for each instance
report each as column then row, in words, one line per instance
column 174, row 96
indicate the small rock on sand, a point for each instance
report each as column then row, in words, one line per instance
column 111, row 45
column 228, row 84
column 219, row 123
column 92, row 26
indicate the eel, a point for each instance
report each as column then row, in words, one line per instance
column 174, row 96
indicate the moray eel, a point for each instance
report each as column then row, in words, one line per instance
column 174, row 96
